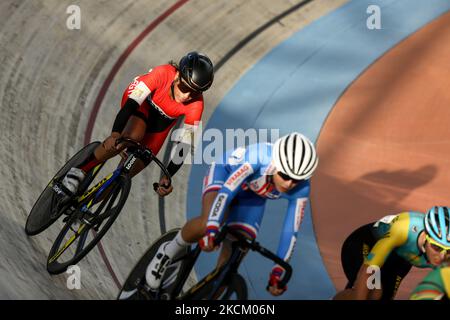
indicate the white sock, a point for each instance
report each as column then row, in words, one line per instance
column 176, row 246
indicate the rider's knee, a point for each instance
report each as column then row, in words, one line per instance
column 133, row 135
column 135, row 129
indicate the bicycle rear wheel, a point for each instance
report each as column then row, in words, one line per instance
column 75, row 241
column 45, row 211
column 133, row 286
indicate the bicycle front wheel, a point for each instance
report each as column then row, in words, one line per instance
column 84, row 229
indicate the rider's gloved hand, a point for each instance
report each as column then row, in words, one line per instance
column 162, row 189
column 274, row 280
column 207, row 242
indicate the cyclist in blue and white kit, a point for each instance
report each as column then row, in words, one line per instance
column 235, row 193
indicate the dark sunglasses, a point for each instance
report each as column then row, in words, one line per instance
column 285, row 177
column 184, row 88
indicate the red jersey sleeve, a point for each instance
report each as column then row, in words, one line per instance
column 145, row 84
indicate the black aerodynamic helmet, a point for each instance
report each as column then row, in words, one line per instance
column 197, row 70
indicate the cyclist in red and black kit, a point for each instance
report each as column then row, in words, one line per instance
column 149, row 109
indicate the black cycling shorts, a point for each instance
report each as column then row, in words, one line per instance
column 357, row 246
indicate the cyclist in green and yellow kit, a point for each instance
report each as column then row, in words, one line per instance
column 393, row 245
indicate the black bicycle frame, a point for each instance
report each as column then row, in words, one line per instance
column 191, row 258
column 143, row 153
column 228, row 269
column 140, row 152
column 222, row 274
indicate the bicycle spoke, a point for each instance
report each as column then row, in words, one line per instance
column 67, row 244
column 81, row 242
column 94, row 216
column 107, row 212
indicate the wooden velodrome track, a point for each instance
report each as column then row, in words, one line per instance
column 50, row 78
column 385, row 146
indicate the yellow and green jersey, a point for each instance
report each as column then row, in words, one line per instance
column 400, row 234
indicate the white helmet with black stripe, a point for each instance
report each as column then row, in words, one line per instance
column 295, row 156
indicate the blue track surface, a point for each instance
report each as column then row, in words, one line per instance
column 294, row 87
